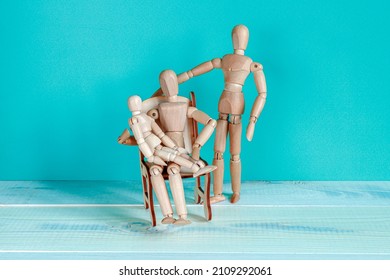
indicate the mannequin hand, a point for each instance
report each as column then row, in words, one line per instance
column 156, row 160
column 250, row 130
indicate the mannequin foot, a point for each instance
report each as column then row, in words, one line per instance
column 205, row 170
column 168, row 220
column 217, row 198
column 182, row 221
column 235, row 197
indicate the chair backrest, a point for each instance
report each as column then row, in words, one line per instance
column 190, row 130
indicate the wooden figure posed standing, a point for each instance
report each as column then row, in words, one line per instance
column 236, row 67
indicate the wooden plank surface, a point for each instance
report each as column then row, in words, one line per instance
column 273, row 220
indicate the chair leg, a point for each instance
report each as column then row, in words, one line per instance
column 206, row 198
column 151, row 204
column 197, row 189
column 204, row 194
column 145, row 191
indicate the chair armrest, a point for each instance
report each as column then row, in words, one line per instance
column 130, row 141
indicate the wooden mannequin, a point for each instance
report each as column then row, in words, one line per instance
column 149, row 137
column 236, row 67
column 173, row 115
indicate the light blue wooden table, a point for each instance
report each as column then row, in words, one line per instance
column 273, row 220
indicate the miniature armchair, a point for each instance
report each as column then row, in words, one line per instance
column 201, row 193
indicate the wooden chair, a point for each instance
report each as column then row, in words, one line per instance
column 201, row 194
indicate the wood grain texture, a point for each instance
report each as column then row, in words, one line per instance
column 273, row 220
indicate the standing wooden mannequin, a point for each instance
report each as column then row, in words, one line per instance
column 236, row 67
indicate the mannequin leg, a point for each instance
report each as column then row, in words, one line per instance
column 197, row 167
column 160, row 189
column 176, row 184
column 219, row 149
column 235, row 131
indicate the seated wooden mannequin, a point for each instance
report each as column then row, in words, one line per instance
column 172, row 113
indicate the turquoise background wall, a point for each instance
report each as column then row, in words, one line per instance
column 67, row 68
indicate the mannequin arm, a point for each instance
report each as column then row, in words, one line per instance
column 142, row 145
column 139, row 137
column 168, row 142
column 206, row 132
column 259, row 103
column 199, row 70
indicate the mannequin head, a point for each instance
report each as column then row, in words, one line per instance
column 240, row 36
column 168, row 83
column 135, row 104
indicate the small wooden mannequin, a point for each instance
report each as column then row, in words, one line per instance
column 236, row 67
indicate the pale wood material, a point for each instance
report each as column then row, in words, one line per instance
column 273, row 220
column 235, row 129
column 240, row 37
column 259, row 103
column 146, row 140
column 176, row 184
column 172, row 115
column 236, row 67
column 173, row 110
column 168, row 83
column 149, row 137
column 218, row 180
column 199, row 116
column 221, row 135
column 157, row 181
column 206, row 132
column 188, row 134
column 235, row 161
column 219, row 148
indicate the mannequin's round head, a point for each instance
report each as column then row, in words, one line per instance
column 135, row 103
column 168, row 83
column 240, row 37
